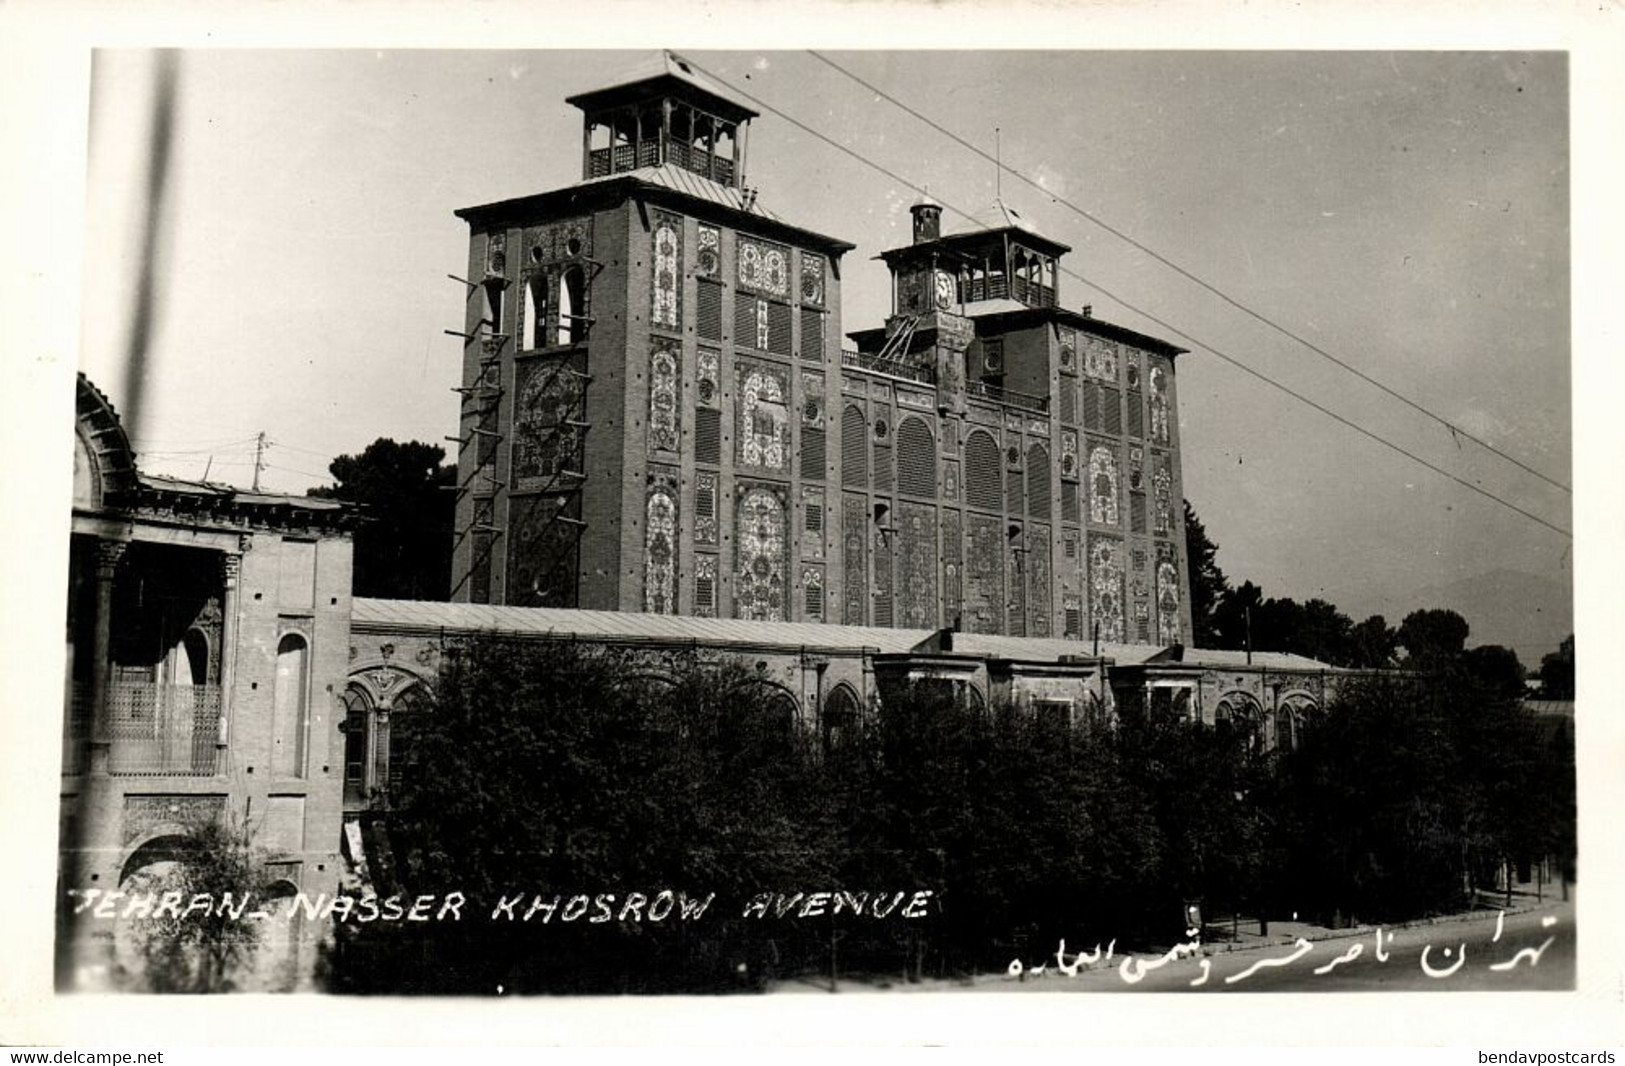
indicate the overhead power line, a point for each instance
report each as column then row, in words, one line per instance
column 1195, row 279
column 894, row 176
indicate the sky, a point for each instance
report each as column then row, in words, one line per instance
column 1407, row 212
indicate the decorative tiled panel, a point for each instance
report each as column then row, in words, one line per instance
column 762, row 430
column 1139, row 593
column 1168, row 595
column 764, row 268
column 812, row 591
column 812, row 523
column 950, row 479
column 1106, row 587
column 984, row 575
column 666, row 289
column 884, row 598
column 560, row 241
column 917, row 528
column 705, row 507
column 812, row 279
column 1162, row 489
column 1068, row 355
column 143, row 814
column 705, row 586
column 1103, row 484
column 549, row 398
column 761, row 548
column 1015, row 588
column 953, row 566
column 708, row 383
column 854, row 559
column 1159, row 405
column 665, row 386
column 812, row 400
column 484, row 543
column 1099, row 358
column 708, row 253
column 1038, row 580
column 541, row 552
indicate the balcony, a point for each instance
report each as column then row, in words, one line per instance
column 163, row 730
column 889, row 367
column 1008, row 397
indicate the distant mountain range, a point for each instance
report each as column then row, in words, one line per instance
column 1526, row 612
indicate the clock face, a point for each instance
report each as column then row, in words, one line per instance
column 945, row 289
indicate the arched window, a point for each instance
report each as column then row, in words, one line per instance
column 841, row 720
column 984, row 472
column 1038, row 497
column 357, row 743
column 572, row 306
column 533, row 325
column 916, row 458
column 854, row 447
column 1238, row 712
column 404, row 722
column 288, row 706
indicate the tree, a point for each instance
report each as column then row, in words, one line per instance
column 1497, row 670
column 1557, row 672
column 551, row 768
column 1207, row 581
column 1434, row 636
column 210, row 950
column 1372, row 644
column 403, row 546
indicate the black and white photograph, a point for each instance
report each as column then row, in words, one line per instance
column 778, row 527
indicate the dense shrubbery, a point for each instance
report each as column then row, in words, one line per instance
column 546, row 770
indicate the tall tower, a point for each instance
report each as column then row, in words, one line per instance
column 648, row 354
column 1038, row 404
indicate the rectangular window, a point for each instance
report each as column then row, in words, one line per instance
column 708, row 310
column 1111, row 414
column 882, row 472
column 812, row 454
column 778, row 328
column 812, row 334
column 708, row 435
column 1136, row 413
column 745, row 320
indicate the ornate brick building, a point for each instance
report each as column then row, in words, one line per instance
column 658, row 413
column 208, row 632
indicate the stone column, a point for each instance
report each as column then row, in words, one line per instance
column 230, row 568
column 109, row 553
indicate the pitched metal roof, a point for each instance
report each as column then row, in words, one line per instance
column 679, row 179
column 686, row 629
column 629, row 625
column 164, row 483
column 1048, row 649
column 1226, row 659
column 659, row 66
